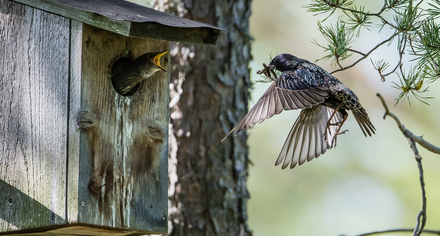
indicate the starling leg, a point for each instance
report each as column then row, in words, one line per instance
column 338, row 131
column 327, row 127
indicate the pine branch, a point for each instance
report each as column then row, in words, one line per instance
column 378, row 14
column 415, row 27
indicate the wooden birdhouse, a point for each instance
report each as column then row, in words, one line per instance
column 84, row 115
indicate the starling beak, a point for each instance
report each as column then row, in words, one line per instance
column 156, row 60
column 323, row 100
column 126, row 73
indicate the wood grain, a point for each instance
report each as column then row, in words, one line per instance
column 74, row 134
column 34, row 48
column 123, row 155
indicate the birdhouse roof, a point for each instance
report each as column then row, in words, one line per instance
column 130, row 19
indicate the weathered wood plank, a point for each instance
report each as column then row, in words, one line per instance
column 34, row 48
column 123, row 140
column 130, row 20
column 74, row 164
column 149, row 140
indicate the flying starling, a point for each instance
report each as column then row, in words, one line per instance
column 126, row 73
column 324, row 101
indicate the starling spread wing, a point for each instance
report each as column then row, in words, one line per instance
column 290, row 91
column 308, row 137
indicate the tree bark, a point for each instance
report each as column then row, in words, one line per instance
column 209, row 94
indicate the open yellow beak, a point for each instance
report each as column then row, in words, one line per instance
column 156, row 60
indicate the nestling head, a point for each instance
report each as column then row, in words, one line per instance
column 284, row 62
column 150, row 62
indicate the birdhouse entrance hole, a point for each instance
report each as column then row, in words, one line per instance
column 119, row 64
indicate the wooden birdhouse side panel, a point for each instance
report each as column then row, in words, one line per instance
column 34, row 79
column 122, row 170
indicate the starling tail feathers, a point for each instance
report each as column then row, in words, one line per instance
column 364, row 121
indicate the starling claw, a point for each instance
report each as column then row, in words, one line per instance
column 336, row 137
column 332, row 124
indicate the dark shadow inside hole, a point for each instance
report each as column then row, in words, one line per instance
column 119, row 73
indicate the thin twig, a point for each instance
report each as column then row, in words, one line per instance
column 339, row 64
column 427, row 231
column 412, row 47
column 367, row 14
column 418, row 139
column 401, row 52
column 355, row 51
column 367, row 54
column 399, row 64
column 421, row 217
column 395, row 68
column 418, row 4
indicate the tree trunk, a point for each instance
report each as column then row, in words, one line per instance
column 209, row 94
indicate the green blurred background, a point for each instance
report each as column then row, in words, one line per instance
column 364, row 184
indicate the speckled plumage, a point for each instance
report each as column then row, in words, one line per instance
column 323, row 100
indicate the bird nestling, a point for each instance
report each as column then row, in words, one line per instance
column 126, row 73
column 324, row 101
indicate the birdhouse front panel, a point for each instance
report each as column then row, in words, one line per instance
column 123, row 147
